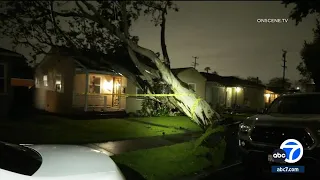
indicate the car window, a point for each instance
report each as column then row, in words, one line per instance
column 19, row 159
column 302, row 104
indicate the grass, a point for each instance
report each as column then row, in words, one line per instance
column 172, row 162
column 177, row 122
column 51, row 129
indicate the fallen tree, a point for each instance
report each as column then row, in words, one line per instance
column 103, row 26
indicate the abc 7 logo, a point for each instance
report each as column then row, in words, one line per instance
column 279, row 155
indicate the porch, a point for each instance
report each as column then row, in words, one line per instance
column 98, row 102
column 270, row 96
column 99, row 92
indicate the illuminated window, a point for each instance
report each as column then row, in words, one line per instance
column 45, row 80
column 58, row 83
column 95, row 85
column 3, row 83
column 192, row 86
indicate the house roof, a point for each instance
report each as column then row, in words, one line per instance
column 230, row 80
column 94, row 60
column 19, row 65
column 8, row 52
column 176, row 71
column 89, row 60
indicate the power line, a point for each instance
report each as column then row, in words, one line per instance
column 195, row 64
column 284, row 67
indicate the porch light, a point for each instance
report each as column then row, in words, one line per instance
column 107, row 85
column 267, row 95
column 238, row 89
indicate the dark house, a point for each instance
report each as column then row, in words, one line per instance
column 228, row 91
column 16, row 81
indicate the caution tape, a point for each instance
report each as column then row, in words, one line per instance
column 193, row 108
column 136, row 95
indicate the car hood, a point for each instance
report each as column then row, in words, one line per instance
column 310, row 120
column 69, row 160
column 286, row 117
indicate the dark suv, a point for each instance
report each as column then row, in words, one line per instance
column 293, row 116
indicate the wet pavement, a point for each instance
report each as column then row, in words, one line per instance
column 118, row 147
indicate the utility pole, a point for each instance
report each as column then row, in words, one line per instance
column 284, row 67
column 195, row 64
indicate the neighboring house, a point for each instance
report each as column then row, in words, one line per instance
column 193, row 78
column 271, row 94
column 188, row 75
column 228, row 91
column 68, row 83
column 16, row 78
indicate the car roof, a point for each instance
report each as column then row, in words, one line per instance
column 302, row 94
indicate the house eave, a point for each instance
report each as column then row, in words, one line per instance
column 83, row 71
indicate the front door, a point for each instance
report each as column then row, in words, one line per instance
column 116, row 94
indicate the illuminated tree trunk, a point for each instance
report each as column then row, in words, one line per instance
column 185, row 99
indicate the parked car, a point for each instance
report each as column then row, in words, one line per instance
column 292, row 116
column 63, row 162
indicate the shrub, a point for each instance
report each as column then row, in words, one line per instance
column 153, row 108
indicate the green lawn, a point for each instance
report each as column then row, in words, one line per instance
column 172, row 162
column 177, row 122
column 52, row 129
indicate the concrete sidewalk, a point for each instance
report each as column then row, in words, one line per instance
column 118, row 147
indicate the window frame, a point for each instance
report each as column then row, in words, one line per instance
column 139, row 97
column 195, row 86
column 60, row 90
column 45, row 82
column 5, row 77
column 95, row 85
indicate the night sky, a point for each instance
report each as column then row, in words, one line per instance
column 227, row 38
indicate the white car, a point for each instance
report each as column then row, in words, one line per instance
column 56, row 162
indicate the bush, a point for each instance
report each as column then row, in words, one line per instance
column 153, row 108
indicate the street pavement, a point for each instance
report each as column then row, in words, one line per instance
column 119, row 147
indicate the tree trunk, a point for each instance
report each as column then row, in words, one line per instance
column 185, row 99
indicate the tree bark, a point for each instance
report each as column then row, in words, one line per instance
column 163, row 37
column 185, row 99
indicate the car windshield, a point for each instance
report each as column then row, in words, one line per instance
column 19, row 159
column 298, row 104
